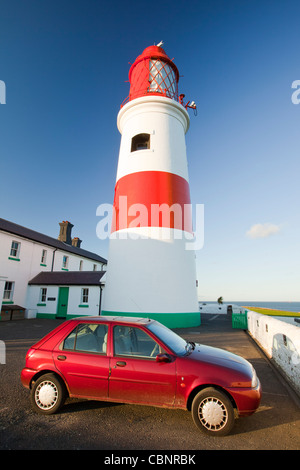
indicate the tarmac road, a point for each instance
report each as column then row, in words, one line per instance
column 117, row 427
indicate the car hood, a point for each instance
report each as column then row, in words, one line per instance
column 220, row 357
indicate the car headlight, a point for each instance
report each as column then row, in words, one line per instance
column 254, row 381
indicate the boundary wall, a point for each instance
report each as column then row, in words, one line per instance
column 280, row 341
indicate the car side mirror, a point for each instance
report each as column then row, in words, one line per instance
column 163, row 358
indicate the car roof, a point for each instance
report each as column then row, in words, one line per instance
column 112, row 319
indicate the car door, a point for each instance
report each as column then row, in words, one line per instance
column 82, row 360
column 136, row 376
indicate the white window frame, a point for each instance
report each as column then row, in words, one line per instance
column 9, row 288
column 43, row 295
column 16, row 249
column 80, row 265
column 44, row 257
column 65, row 262
column 84, row 295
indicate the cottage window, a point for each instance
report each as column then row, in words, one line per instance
column 15, row 249
column 44, row 257
column 84, row 295
column 43, row 294
column 8, row 290
column 65, row 262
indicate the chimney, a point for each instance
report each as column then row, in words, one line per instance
column 76, row 242
column 65, row 232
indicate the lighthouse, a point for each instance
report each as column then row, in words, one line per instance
column 151, row 270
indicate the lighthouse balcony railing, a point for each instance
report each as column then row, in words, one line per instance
column 149, row 92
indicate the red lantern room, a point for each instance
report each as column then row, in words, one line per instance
column 153, row 73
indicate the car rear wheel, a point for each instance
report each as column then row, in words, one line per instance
column 213, row 412
column 48, row 394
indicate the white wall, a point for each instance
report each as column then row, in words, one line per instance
column 20, row 272
column 29, row 264
column 74, row 300
column 216, row 308
column 213, row 308
column 34, row 296
column 74, row 262
column 144, row 283
column 280, row 341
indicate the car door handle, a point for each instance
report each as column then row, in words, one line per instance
column 61, row 358
column 120, row 363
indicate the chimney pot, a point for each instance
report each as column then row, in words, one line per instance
column 76, row 242
column 65, row 232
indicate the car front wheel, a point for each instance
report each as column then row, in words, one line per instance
column 48, row 394
column 213, row 412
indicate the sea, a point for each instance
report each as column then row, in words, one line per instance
column 285, row 306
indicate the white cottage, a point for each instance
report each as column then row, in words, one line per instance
column 65, row 294
column 25, row 254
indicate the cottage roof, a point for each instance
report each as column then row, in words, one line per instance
column 25, row 232
column 68, row 278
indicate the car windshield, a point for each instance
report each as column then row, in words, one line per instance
column 178, row 345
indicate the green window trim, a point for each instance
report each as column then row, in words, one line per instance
column 83, row 306
column 42, row 264
column 14, row 259
column 64, row 269
column 7, row 302
column 41, row 305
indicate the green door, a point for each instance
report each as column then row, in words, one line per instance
column 62, row 304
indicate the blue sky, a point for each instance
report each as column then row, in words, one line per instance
column 65, row 66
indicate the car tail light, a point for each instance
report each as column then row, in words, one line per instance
column 30, row 352
column 254, row 381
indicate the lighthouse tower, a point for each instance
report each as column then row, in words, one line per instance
column 151, row 272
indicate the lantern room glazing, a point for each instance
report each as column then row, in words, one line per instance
column 153, row 73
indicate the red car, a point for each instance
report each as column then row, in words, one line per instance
column 137, row 360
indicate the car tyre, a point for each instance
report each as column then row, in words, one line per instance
column 48, row 394
column 213, row 412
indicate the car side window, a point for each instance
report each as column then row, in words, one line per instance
column 88, row 338
column 130, row 341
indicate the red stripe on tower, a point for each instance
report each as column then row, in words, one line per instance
column 152, row 199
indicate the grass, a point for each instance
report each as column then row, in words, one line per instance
column 276, row 313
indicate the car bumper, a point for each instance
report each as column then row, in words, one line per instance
column 26, row 376
column 247, row 399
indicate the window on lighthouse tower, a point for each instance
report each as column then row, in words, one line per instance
column 140, row 142
column 162, row 78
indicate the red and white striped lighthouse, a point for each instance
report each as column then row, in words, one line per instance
column 150, row 272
